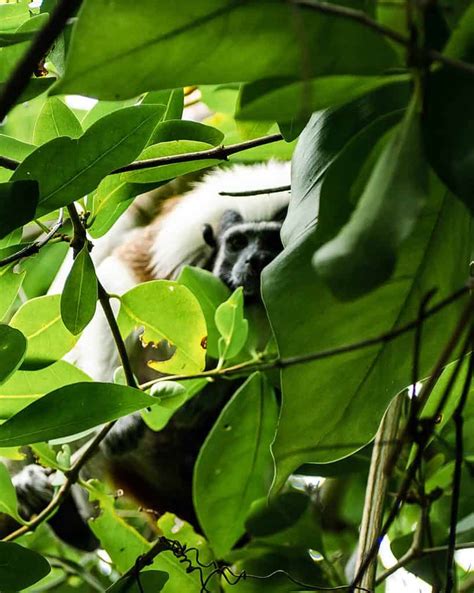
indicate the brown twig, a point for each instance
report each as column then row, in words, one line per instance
column 219, row 153
column 41, row 43
column 256, row 192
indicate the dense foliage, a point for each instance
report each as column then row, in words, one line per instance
column 368, row 302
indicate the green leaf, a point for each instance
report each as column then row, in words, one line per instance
column 364, row 253
column 234, row 465
column 13, row 15
column 171, row 396
column 181, row 579
column 319, row 144
column 80, row 165
column 70, row 410
column 10, row 283
column 177, row 129
column 269, row 517
column 79, row 297
column 164, row 172
column 20, row 567
column 48, row 338
column 55, row 119
column 210, row 292
column 120, row 540
column 8, row 38
column 148, row 580
column 332, row 407
column 220, row 35
column 232, row 325
column 284, row 100
column 448, row 127
column 12, row 351
column 103, row 108
column 18, row 201
column 173, row 99
column 25, row 387
column 173, row 323
column 8, row 500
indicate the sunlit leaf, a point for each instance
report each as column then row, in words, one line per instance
column 231, row 324
column 8, row 500
column 12, row 351
column 55, row 119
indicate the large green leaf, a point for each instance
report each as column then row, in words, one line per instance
column 71, row 409
column 12, row 351
column 18, row 201
column 20, row 567
column 48, row 338
column 332, row 407
column 234, row 465
column 213, row 41
column 364, row 253
column 79, row 296
column 13, row 149
column 67, row 169
column 13, row 15
column 148, row 580
column 24, row 387
column 55, row 119
column 173, row 325
column 281, row 101
column 319, row 144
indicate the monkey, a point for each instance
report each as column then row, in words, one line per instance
column 234, row 237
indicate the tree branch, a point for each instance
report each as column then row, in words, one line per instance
column 362, row 18
column 256, row 192
column 41, row 43
column 281, row 363
column 36, row 246
column 218, row 152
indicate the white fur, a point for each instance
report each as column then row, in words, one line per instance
column 182, row 234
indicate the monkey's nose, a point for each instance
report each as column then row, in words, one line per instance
column 257, row 261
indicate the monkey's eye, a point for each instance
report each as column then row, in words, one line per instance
column 237, row 242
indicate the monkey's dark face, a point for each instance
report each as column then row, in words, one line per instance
column 243, row 250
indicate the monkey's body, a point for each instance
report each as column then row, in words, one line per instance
column 234, row 237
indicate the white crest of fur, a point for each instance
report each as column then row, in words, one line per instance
column 181, row 236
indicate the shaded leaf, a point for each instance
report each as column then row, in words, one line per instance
column 8, row 500
column 71, row 409
column 234, row 465
column 147, row 580
column 332, row 407
column 135, row 42
column 10, row 283
column 12, row 351
column 18, row 201
column 79, row 297
column 284, row 100
column 20, row 567
column 364, row 253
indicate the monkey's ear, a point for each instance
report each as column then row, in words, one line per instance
column 229, row 219
column 208, row 235
column 280, row 215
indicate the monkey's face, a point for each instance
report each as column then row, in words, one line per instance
column 243, row 250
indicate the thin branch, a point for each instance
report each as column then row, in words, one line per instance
column 459, row 423
column 281, row 363
column 8, row 163
column 362, row 18
column 36, row 246
column 219, row 152
column 78, row 241
column 41, row 43
column 256, row 192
